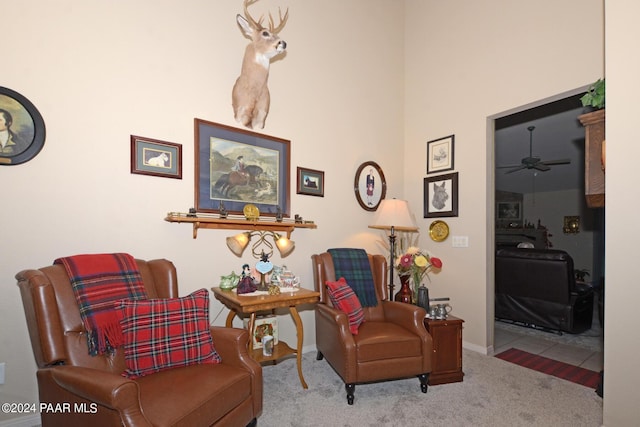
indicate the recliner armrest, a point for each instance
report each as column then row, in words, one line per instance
column 333, row 316
column 582, row 289
column 410, row 317
column 110, row 390
column 231, row 344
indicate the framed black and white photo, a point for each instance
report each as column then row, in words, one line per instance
column 440, row 154
column 441, row 196
column 239, row 167
column 370, row 185
column 155, row 157
column 310, row 182
column 22, row 131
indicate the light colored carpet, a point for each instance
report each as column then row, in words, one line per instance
column 493, row 393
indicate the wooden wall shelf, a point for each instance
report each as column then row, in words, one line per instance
column 239, row 223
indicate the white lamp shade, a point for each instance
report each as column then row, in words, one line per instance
column 284, row 245
column 238, row 243
column 394, row 213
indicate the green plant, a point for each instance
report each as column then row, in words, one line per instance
column 594, row 96
column 581, row 274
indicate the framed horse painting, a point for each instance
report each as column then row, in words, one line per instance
column 441, row 196
column 234, row 167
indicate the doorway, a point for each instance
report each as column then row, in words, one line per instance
column 550, row 131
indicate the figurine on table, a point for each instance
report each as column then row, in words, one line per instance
column 246, row 284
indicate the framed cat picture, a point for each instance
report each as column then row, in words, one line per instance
column 441, row 196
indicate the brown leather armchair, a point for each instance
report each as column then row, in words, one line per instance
column 225, row 394
column 391, row 343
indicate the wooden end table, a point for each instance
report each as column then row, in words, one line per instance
column 239, row 304
column 446, row 360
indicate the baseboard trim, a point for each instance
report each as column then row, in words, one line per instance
column 27, row 421
column 478, row 349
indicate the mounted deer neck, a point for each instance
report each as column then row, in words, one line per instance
column 250, row 95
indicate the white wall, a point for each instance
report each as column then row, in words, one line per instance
column 622, row 340
column 101, row 71
column 550, row 208
column 468, row 61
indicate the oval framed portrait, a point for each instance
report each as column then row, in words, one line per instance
column 370, row 186
column 22, row 131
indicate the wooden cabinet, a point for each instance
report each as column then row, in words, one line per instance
column 594, row 124
column 446, row 360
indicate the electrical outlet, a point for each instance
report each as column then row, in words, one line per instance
column 2, row 373
column 460, row 241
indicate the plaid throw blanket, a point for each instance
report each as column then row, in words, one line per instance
column 353, row 265
column 98, row 281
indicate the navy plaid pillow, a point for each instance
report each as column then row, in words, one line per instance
column 344, row 299
column 166, row 333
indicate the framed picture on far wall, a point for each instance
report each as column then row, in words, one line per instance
column 509, row 211
column 440, row 154
column 310, row 182
column 441, row 196
column 155, row 157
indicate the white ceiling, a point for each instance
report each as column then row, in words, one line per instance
column 559, row 135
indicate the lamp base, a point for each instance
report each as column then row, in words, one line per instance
column 263, row 285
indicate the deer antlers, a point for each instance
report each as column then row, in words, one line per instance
column 258, row 24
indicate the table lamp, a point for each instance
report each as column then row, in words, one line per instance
column 393, row 215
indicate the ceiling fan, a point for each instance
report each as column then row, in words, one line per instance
column 534, row 162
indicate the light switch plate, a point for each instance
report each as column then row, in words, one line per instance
column 460, row 241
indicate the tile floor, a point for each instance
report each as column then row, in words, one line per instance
column 584, row 350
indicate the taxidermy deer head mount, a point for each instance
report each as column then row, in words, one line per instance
column 250, row 93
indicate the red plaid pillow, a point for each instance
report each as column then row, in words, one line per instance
column 166, row 333
column 344, row 299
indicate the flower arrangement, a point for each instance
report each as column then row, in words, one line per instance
column 417, row 263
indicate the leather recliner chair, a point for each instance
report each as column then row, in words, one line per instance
column 537, row 288
column 225, row 394
column 391, row 343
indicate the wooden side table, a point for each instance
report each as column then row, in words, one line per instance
column 446, row 360
column 239, row 304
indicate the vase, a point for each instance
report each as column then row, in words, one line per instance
column 405, row 293
column 423, row 297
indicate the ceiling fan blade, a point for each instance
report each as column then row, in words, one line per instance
column 557, row 162
column 516, row 169
column 541, row 166
column 508, row 166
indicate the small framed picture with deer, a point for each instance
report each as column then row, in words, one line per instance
column 440, row 154
column 234, row 167
column 441, row 196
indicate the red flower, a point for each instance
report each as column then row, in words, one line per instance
column 406, row 261
column 436, row 262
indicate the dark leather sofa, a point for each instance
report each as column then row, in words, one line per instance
column 537, row 288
